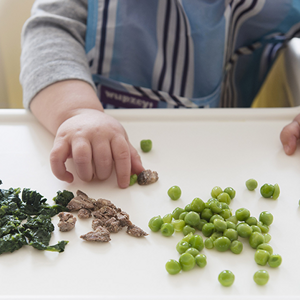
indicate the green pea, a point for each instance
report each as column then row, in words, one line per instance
column 192, row 218
column 209, row 202
column 224, row 205
column 267, row 190
column 188, row 207
column 178, row 225
column 251, row 221
column 236, row 247
column 261, row 277
column 201, row 260
column 133, row 179
column 182, row 246
column 230, row 225
column 251, row 184
column 146, row 145
column 206, row 214
column 176, row 212
column 209, row 243
column 173, row 267
column 216, row 235
column 187, row 229
column 275, row 260
column 226, row 278
column 242, row 214
column 174, row 192
column 188, row 237
column 255, row 239
column 244, row 230
column 267, row 238
column 276, row 191
column 167, row 229
column 196, row 241
column 224, row 197
column 220, row 225
column 231, row 234
column 261, row 257
column 264, row 228
column 232, row 219
column 265, row 246
column 167, row 218
column 208, row 229
column 216, row 207
column 216, row 216
column 266, row 218
column 216, row 191
column 192, row 251
column 226, row 213
column 255, row 228
column 222, row 244
column 182, row 215
column 187, row 261
column 197, row 205
column 201, row 223
column 230, row 191
column 155, row 223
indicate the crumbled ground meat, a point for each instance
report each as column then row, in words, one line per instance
column 66, row 221
column 113, row 225
column 101, row 234
column 123, row 217
column 103, row 202
column 136, row 231
column 147, row 177
column 84, row 213
column 107, row 211
column 81, row 201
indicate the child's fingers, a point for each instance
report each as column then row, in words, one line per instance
column 58, row 156
column 121, row 156
column 103, row 160
column 82, row 157
column 289, row 136
column 136, row 162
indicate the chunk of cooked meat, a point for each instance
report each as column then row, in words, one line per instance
column 79, row 202
column 147, row 177
column 107, row 211
column 123, row 217
column 84, row 213
column 136, row 231
column 103, row 202
column 99, row 222
column 101, row 234
column 113, row 225
column 66, row 221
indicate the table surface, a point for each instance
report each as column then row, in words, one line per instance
column 195, row 149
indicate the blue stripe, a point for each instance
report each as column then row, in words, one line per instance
column 166, row 31
column 103, row 36
column 90, row 38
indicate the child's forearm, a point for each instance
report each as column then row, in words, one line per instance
column 62, row 100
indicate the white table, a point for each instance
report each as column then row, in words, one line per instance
column 195, row 149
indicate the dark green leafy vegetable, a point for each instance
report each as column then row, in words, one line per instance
column 63, row 197
column 37, row 229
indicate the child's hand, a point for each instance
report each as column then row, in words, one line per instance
column 96, row 142
column 289, row 136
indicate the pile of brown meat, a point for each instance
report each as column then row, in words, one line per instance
column 107, row 218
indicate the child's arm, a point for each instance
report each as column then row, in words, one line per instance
column 289, row 136
column 72, row 112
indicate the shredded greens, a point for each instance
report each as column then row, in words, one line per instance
column 26, row 220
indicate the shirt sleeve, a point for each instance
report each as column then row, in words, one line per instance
column 53, row 46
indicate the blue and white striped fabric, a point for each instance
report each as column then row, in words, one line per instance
column 185, row 53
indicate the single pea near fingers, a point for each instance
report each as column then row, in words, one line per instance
column 146, row 145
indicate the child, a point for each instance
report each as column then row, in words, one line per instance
column 143, row 54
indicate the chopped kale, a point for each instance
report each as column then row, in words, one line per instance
column 63, row 198
column 37, row 229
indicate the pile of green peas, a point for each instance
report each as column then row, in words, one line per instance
column 222, row 230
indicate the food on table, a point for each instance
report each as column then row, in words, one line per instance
column 146, row 145
column 261, row 277
column 133, row 179
column 251, row 184
column 226, row 278
column 66, row 221
column 174, row 192
column 147, row 177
